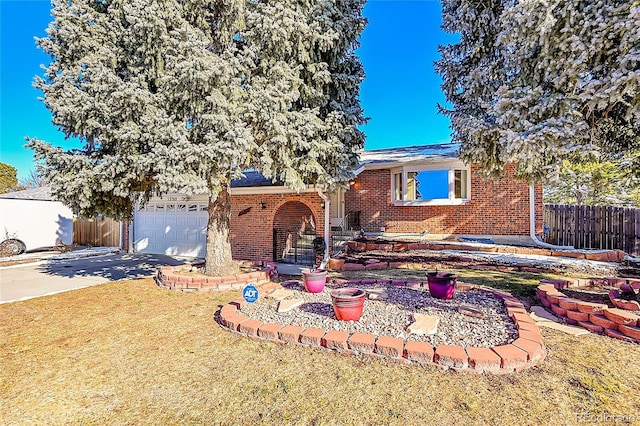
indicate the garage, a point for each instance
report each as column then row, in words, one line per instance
column 177, row 228
column 32, row 219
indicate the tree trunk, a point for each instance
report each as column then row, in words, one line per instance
column 219, row 261
column 125, row 235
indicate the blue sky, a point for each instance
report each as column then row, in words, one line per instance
column 399, row 94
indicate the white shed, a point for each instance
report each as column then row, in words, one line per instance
column 32, row 219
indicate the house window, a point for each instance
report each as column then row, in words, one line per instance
column 397, row 181
column 461, row 184
column 431, row 185
column 428, row 185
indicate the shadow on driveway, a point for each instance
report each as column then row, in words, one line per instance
column 112, row 267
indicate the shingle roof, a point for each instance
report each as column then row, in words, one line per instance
column 253, row 178
column 389, row 156
column 410, row 154
column 41, row 194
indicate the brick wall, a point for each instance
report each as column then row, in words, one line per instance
column 497, row 207
column 252, row 227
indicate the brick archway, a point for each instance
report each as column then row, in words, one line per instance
column 292, row 221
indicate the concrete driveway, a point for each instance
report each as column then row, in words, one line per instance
column 54, row 276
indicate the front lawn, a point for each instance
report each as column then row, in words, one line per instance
column 129, row 352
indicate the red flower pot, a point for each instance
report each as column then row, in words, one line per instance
column 442, row 285
column 348, row 303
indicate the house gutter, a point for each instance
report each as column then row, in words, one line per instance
column 532, row 224
column 327, row 227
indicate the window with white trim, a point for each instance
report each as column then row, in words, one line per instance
column 431, row 185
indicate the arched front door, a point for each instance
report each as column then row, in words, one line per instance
column 294, row 229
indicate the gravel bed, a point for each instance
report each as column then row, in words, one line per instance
column 392, row 315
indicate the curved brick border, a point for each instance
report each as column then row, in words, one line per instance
column 524, row 352
column 339, row 264
column 595, row 317
column 167, row 278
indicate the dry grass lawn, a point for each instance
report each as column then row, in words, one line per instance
column 129, row 352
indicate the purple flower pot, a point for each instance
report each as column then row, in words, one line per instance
column 348, row 303
column 442, row 285
column 314, row 280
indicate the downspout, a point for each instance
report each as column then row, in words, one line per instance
column 327, row 227
column 532, row 224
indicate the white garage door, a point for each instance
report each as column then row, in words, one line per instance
column 173, row 228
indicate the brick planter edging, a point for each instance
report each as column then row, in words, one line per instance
column 168, row 278
column 524, row 352
column 596, row 317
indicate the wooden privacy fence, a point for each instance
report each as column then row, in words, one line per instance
column 593, row 227
column 96, row 232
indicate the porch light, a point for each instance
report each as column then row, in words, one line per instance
column 263, row 205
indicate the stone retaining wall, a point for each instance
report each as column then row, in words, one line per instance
column 346, row 264
column 595, row 317
column 597, row 255
column 524, row 352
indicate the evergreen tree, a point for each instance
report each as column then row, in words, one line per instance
column 8, row 177
column 472, row 71
column 172, row 96
column 595, row 182
column 563, row 78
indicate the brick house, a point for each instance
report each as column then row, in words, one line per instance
column 421, row 191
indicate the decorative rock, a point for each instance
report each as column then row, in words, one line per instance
column 392, row 315
column 424, row 324
column 280, row 294
column 539, row 313
column 289, row 304
column 376, row 293
column 471, row 312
